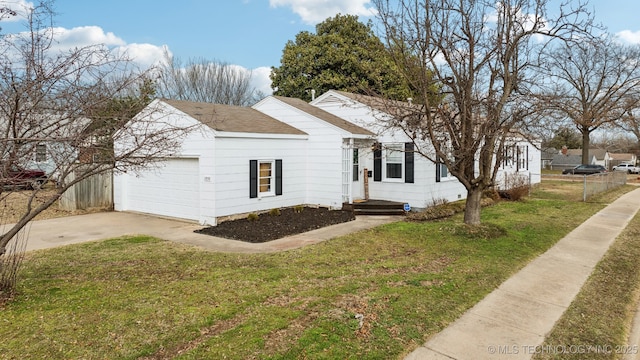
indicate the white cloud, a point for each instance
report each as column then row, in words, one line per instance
column 260, row 79
column 315, row 11
column 84, row 36
column 142, row 55
column 21, row 8
column 628, row 36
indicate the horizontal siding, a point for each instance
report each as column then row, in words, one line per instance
column 324, row 151
column 425, row 190
column 198, row 146
column 232, row 173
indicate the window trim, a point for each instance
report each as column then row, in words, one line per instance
column 523, row 157
column 400, row 149
column 41, row 153
column 276, row 182
column 440, row 165
column 271, row 177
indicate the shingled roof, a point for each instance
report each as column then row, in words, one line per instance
column 325, row 116
column 229, row 118
column 379, row 103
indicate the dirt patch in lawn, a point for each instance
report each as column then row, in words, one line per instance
column 13, row 205
column 269, row 226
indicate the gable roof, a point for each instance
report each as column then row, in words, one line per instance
column 325, row 116
column 229, row 118
column 621, row 156
column 598, row 153
column 391, row 107
column 566, row 160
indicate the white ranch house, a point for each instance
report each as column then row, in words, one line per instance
column 284, row 152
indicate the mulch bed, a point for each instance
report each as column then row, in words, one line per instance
column 271, row 227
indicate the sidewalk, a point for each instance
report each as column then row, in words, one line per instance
column 511, row 321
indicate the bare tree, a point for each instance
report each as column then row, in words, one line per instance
column 72, row 102
column 594, row 82
column 206, row 81
column 478, row 53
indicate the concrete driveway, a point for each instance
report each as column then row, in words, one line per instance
column 50, row 233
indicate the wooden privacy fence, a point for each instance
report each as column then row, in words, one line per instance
column 94, row 191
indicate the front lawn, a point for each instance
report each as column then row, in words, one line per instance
column 140, row 297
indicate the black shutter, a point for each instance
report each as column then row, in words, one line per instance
column 278, row 177
column 408, row 162
column 527, row 159
column 253, row 178
column 377, row 162
column 437, row 169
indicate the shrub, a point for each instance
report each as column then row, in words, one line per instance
column 298, row 208
column 437, row 202
column 252, row 217
column 491, row 194
column 515, row 187
column 274, row 212
column 515, row 193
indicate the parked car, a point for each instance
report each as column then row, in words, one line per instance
column 585, row 169
column 17, row 177
column 629, row 168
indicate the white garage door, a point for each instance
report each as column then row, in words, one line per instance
column 170, row 190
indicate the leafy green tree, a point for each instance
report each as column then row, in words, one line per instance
column 565, row 136
column 344, row 54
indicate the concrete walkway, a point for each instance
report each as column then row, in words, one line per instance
column 50, row 233
column 513, row 320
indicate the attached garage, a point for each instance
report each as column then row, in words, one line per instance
column 169, row 190
column 213, row 172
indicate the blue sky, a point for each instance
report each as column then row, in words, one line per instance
column 248, row 33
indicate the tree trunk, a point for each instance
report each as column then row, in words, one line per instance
column 585, row 146
column 472, row 207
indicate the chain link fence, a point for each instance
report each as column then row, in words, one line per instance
column 597, row 183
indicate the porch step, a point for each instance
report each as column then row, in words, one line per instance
column 375, row 207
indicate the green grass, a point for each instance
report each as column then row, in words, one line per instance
column 603, row 310
column 137, row 297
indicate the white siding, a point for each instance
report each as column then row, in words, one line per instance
column 324, row 151
column 419, row 194
column 198, row 146
column 232, row 173
column 531, row 171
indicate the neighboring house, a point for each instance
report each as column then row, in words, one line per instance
column 546, row 157
column 562, row 161
column 596, row 156
column 42, row 158
column 284, row 152
column 616, row 159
